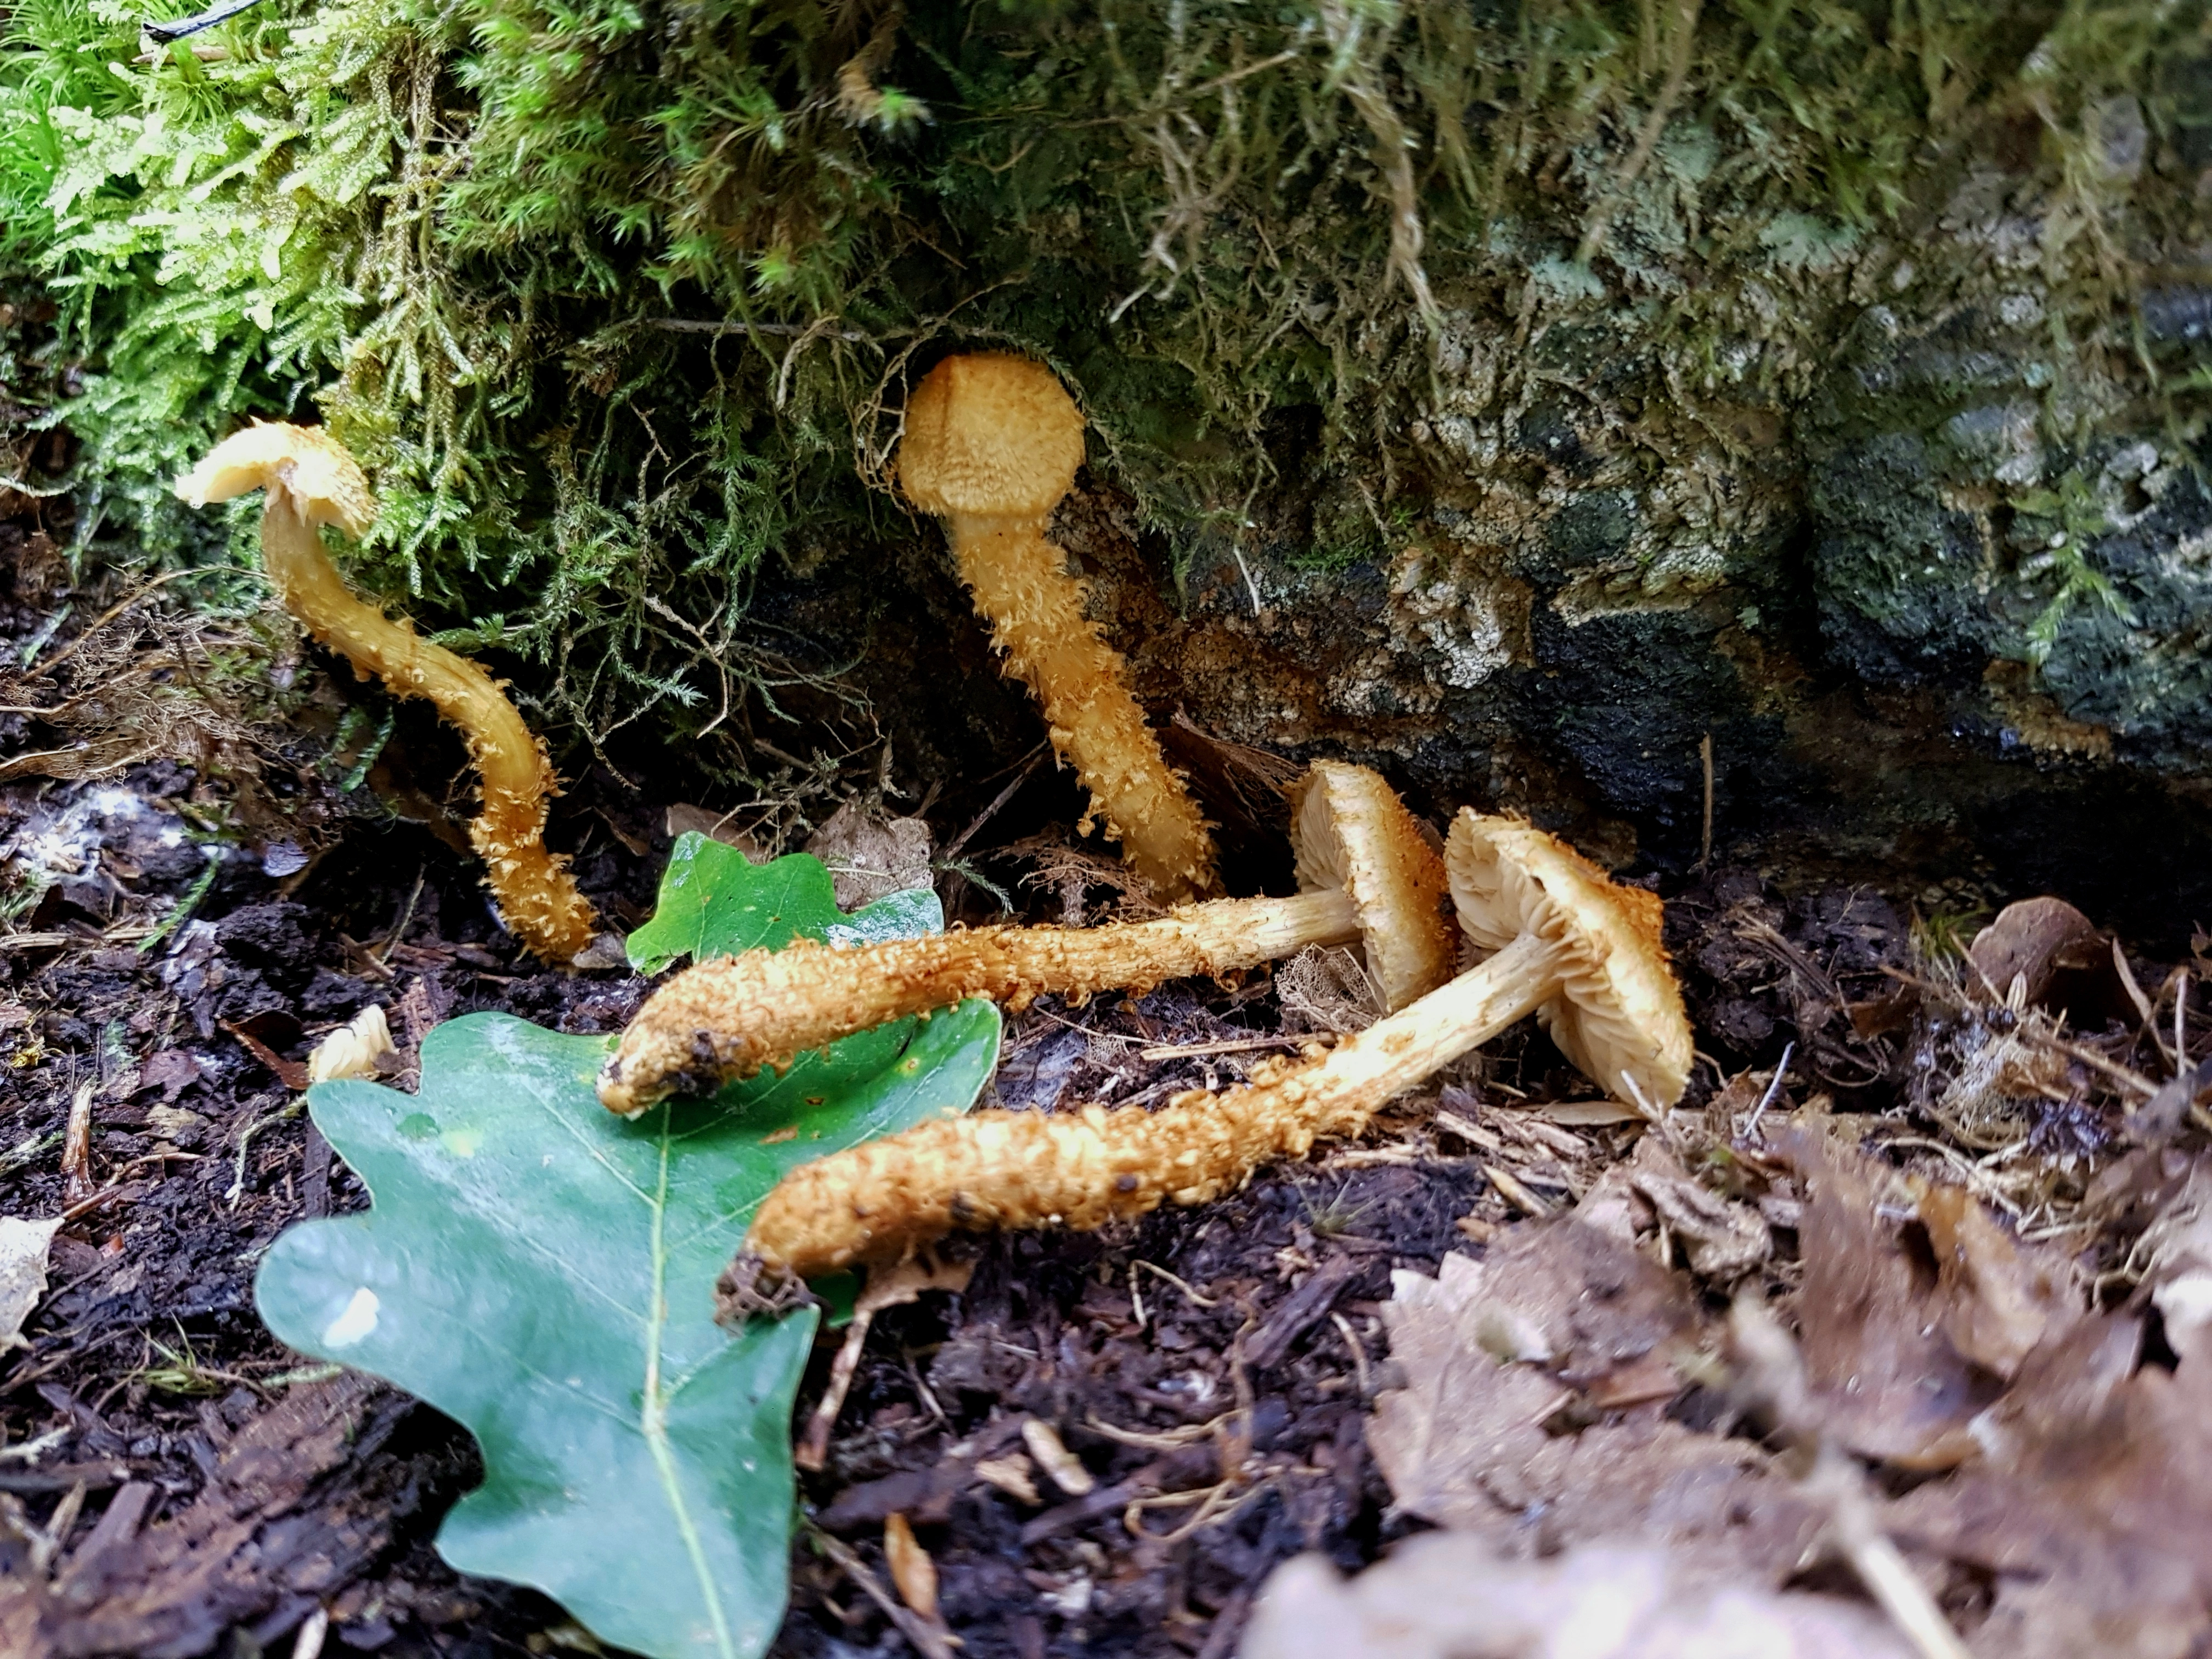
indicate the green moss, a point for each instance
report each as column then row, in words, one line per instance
column 611, row 295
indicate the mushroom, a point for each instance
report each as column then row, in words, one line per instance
column 1368, row 873
column 992, row 443
column 1568, row 944
column 308, row 481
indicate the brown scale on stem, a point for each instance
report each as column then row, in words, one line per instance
column 1566, row 942
column 991, row 445
column 309, row 480
column 1369, row 876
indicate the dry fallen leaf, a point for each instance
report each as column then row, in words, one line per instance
column 2000, row 1298
column 1722, row 1240
column 2090, row 1512
column 355, row 1050
column 871, row 856
column 1449, row 1597
column 912, row 1570
column 1504, row 1359
column 23, row 1246
column 1891, row 1384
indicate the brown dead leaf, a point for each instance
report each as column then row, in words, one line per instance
column 1720, row 1240
column 912, row 1570
column 684, row 818
column 170, row 1070
column 2000, row 1298
column 1442, row 1597
column 870, row 856
column 2092, row 1507
column 2178, row 1246
column 262, row 1034
column 1891, row 1384
column 1558, row 1324
column 2060, row 959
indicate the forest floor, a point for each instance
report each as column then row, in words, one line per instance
column 1971, row 1188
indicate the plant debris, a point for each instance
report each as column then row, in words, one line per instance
column 1108, row 1443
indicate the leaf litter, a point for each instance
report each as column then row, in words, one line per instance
column 2021, row 1273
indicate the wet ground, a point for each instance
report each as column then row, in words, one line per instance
column 1105, row 1443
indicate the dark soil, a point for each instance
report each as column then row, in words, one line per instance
column 1210, row 1369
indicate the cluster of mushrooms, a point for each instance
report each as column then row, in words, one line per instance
column 991, row 444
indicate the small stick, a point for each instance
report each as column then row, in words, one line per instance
column 76, row 1145
column 2180, row 1021
column 1021, row 777
column 813, row 1448
column 1705, row 757
column 1232, row 1046
column 1750, row 1129
column 929, row 1642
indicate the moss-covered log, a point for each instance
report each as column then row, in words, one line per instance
column 1513, row 392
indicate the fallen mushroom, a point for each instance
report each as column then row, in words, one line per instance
column 308, row 481
column 1569, row 944
column 992, row 443
column 1369, row 875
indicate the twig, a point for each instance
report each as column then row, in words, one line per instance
column 384, row 957
column 77, row 1145
column 1358, row 1354
column 1750, row 1129
column 709, row 326
column 1514, row 1192
column 1705, row 841
column 929, row 1642
column 1232, row 1046
column 161, row 34
column 813, row 1448
column 1035, row 760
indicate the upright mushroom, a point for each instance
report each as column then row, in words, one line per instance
column 308, row 481
column 1567, row 943
column 992, row 443
column 1368, row 873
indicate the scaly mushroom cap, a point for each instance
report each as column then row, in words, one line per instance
column 1353, row 835
column 991, row 435
column 323, row 482
column 1620, row 1010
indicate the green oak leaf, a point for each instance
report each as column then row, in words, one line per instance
column 542, row 1272
column 715, row 903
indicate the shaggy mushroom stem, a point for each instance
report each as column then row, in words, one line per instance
column 1581, row 950
column 992, row 443
column 1000, row 1169
column 1370, row 876
column 309, row 480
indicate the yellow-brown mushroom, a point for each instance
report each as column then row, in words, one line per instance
column 307, row 480
column 1369, row 876
column 992, row 443
column 1566, row 942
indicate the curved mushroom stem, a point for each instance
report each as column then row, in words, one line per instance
column 1021, row 588
column 877, row 1201
column 731, row 1017
column 536, row 896
column 306, row 480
